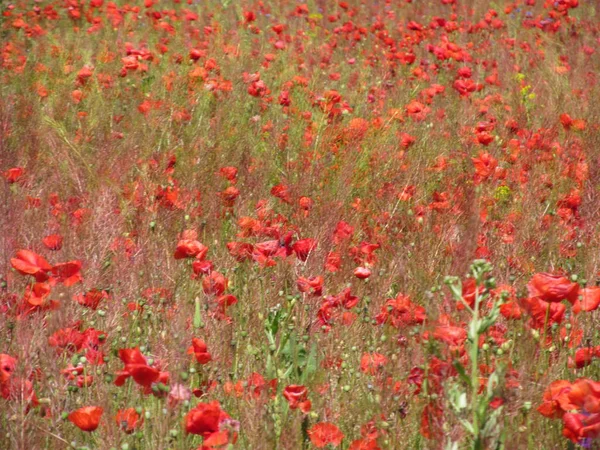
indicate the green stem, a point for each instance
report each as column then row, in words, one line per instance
column 475, row 374
column 198, row 323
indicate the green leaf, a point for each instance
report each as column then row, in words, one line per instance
column 311, row 364
column 462, row 373
column 467, row 425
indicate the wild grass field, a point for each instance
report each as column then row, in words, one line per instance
column 357, row 224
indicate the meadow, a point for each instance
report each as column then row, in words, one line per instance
column 354, row 225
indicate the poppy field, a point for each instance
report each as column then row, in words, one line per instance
column 357, row 225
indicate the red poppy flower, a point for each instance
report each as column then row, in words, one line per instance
column 401, row 312
column 214, row 284
column 362, row 273
column 53, row 242
column 590, row 300
column 552, row 288
column 372, row 363
column 282, row 192
column 333, row 262
column 297, row 397
column 137, row 367
column 202, row 267
column 189, row 248
column 544, row 314
column 200, row 351
column 324, row 433
column 343, row 231
column 128, row 420
column 27, row 262
column 364, row 444
column 240, row 251
column 92, row 298
column 66, row 339
column 205, row 419
column 8, row 364
column 450, row 335
column 17, row 389
column 312, row 285
column 86, row 418
column 229, row 172
column 67, row 273
column 583, row 358
column 37, row 294
column 551, row 406
column 13, row 175
column 303, row 247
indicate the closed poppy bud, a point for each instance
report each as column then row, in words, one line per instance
column 86, row 418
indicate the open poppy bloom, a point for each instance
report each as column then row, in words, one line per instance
column 401, row 312
column 323, row 434
column 8, row 364
column 53, row 242
column 13, row 175
column 128, row 420
column 212, row 423
column 188, row 248
column 372, row 363
column 27, row 262
column 67, row 273
column 552, row 288
column 297, row 397
column 578, row 404
column 303, row 247
column 92, row 298
column 86, row 418
column 137, row 367
column 590, row 300
column 200, row 351
column 37, row 294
